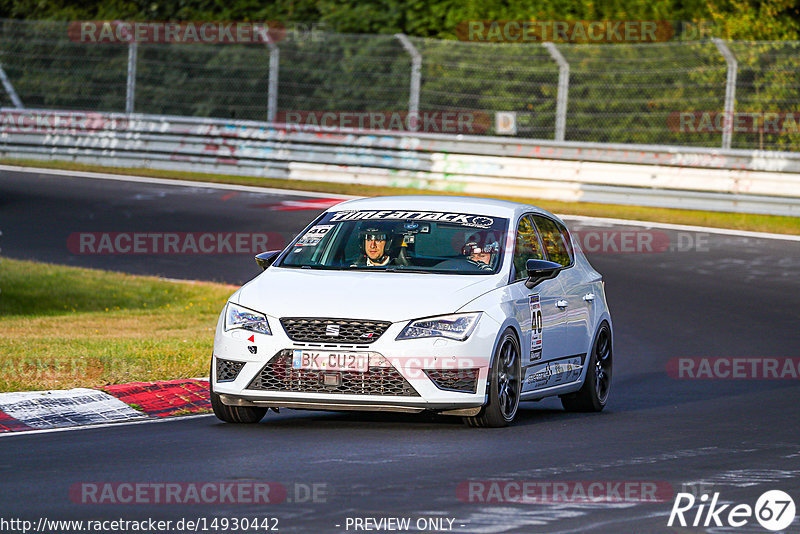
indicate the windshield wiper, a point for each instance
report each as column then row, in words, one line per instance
column 306, row 266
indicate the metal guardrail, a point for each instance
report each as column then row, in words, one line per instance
column 676, row 177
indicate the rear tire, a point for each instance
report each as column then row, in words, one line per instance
column 504, row 386
column 593, row 395
column 233, row 414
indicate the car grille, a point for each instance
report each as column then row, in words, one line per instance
column 228, row 370
column 465, row 380
column 346, row 331
column 278, row 375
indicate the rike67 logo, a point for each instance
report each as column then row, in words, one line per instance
column 774, row 510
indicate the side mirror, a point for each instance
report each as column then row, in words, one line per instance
column 265, row 259
column 540, row 270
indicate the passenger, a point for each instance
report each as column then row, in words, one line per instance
column 480, row 254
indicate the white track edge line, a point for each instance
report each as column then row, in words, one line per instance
column 167, row 181
column 684, row 227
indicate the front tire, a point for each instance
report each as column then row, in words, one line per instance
column 233, row 414
column 593, row 395
column 504, row 386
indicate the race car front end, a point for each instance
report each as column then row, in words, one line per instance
column 323, row 363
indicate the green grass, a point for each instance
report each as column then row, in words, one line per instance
column 66, row 327
column 740, row 221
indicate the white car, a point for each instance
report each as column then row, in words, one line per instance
column 462, row 306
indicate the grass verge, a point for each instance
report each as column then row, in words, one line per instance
column 65, row 327
column 739, row 221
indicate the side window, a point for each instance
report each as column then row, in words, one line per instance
column 526, row 248
column 567, row 241
column 555, row 240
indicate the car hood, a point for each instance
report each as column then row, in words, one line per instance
column 360, row 294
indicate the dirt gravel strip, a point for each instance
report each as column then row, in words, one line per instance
column 40, row 410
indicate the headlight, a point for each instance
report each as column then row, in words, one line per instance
column 457, row 326
column 240, row 317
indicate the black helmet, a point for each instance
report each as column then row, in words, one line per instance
column 473, row 247
column 375, row 233
column 380, row 231
column 482, row 243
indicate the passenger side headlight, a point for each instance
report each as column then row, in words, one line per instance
column 240, row 317
column 458, row 326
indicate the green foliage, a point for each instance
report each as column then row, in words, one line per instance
column 739, row 19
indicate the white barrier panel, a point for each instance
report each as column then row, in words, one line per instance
column 550, row 190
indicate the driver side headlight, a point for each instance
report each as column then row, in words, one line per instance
column 457, row 326
column 240, row 317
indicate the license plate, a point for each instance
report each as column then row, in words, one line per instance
column 330, row 361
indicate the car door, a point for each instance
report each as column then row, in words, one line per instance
column 558, row 247
column 543, row 322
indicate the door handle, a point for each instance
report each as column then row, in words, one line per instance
column 588, row 297
column 561, row 304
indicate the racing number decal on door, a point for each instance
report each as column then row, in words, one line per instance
column 536, row 328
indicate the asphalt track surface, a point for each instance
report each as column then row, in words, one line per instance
column 727, row 296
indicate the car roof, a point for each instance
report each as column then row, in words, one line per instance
column 439, row 203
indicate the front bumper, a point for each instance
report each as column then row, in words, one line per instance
column 405, row 380
column 361, row 405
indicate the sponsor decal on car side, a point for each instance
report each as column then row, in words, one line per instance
column 536, row 328
column 553, row 373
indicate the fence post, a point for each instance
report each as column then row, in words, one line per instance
column 416, row 70
column 272, row 83
column 131, row 86
column 272, row 96
column 563, row 89
column 730, row 91
column 12, row 93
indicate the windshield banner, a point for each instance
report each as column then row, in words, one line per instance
column 454, row 218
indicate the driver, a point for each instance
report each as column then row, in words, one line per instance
column 374, row 249
column 480, row 253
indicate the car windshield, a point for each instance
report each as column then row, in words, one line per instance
column 436, row 242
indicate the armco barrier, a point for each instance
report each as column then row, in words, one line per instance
column 675, row 177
